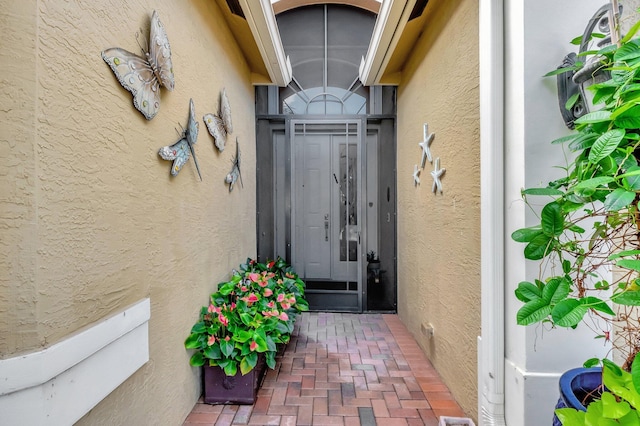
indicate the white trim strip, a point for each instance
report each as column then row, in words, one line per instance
column 391, row 20
column 263, row 25
column 491, row 345
column 60, row 384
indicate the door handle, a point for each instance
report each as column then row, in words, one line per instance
column 326, row 227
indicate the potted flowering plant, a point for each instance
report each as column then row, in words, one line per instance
column 245, row 322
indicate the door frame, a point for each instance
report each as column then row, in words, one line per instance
column 334, row 124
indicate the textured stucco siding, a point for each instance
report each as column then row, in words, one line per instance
column 439, row 234
column 91, row 219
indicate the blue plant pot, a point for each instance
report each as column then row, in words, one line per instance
column 575, row 387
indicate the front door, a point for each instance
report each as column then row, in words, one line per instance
column 326, row 225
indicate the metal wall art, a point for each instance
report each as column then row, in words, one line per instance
column 234, row 174
column 437, row 172
column 416, row 175
column 179, row 151
column 427, row 138
column 142, row 76
column 219, row 125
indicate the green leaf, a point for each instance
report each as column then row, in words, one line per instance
column 594, row 117
column 593, row 183
column 635, row 374
column 627, row 51
column 541, row 191
column 226, row 347
column 248, row 363
column 538, row 248
column 557, row 289
column 225, row 288
column 613, row 409
column 605, row 145
column 618, row 199
column 570, row 416
column 568, row 313
column 231, row 369
column 591, row 362
column 632, row 31
column 552, row 219
column 627, row 298
column 242, row 336
column 194, row 341
column 572, row 101
column 632, row 177
column 629, row 119
column 532, row 312
column 526, row 235
column 197, row 360
column 597, row 304
column 527, row 292
column 633, row 264
column 623, row 254
column 270, row 357
column 567, row 138
column 559, row 71
column 213, row 352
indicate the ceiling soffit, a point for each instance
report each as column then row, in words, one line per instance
column 259, row 39
column 400, row 23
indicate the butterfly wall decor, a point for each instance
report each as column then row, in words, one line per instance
column 179, row 152
column 234, row 174
column 220, row 125
column 143, row 75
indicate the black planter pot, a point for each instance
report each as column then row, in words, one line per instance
column 576, row 387
column 222, row 389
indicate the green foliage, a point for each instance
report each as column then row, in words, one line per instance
column 615, row 404
column 590, row 225
column 248, row 315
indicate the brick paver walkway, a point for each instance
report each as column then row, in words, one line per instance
column 343, row 369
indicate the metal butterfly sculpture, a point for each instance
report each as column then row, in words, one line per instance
column 179, row 151
column 220, row 125
column 234, row 174
column 142, row 76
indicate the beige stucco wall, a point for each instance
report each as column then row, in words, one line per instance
column 439, row 234
column 91, row 220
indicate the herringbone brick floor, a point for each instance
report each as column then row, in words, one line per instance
column 343, row 369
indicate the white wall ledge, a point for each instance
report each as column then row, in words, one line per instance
column 60, row 384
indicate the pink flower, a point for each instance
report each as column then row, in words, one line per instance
column 253, row 346
column 227, row 338
column 271, row 304
column 211, row 341
column 284, row 316
column 223, row 320
column 288, row 275
column 211, row 308
column 233, row 306
column 267, row 292
column 252, row 298
column 292, row 300
column 269, row 275
column 280, row 297
column 254, row 277
column 285, row 305
column 263, row 283
column 244, row 288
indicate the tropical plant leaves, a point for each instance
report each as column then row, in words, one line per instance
column 619, row 199
column 605, row 145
